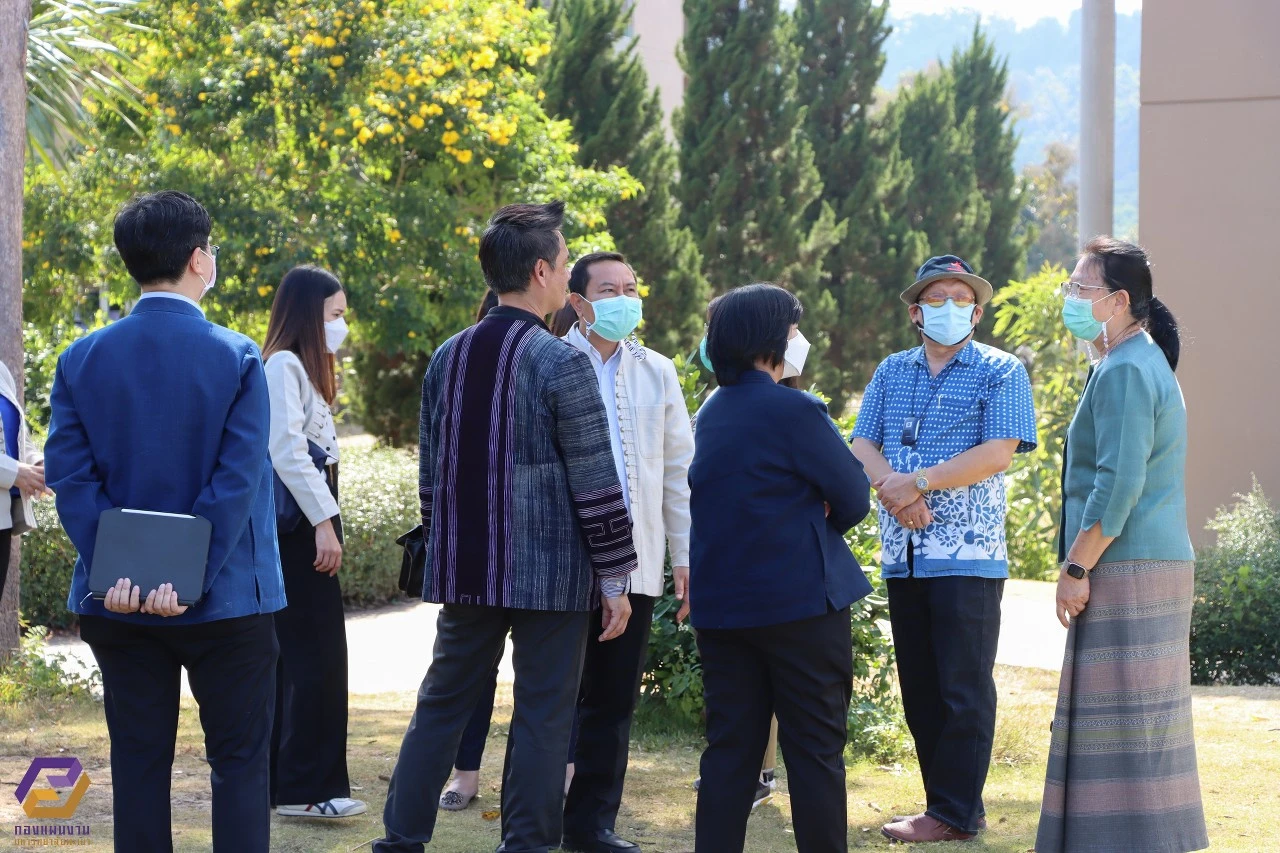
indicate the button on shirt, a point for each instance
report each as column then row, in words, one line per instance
column 607, row 376
column 983, row 394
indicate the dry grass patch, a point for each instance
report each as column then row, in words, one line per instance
column 1238, row 732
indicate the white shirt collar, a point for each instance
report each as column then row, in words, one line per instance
column 164, row 294
column 579, row 340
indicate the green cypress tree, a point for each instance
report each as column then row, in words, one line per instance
column 944, row 200
column 747, row 177
column 594, row 78
column 865, row 181
column 981, row 84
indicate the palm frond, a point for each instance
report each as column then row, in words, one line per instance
column 72, row 61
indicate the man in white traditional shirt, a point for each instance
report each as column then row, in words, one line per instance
column 652, row 446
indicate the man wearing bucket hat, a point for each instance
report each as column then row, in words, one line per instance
column 938, row 427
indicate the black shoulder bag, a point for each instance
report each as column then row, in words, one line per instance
column 413, row 565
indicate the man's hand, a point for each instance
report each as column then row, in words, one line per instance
column 915, row 516
column 328, row 548
column 897, row 491
column 163, row 602
column 1073, row 596
column 616, row 613
column 680, row 574
column 123, row 597
column 30, row 480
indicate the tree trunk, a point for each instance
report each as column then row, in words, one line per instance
column 14, row 15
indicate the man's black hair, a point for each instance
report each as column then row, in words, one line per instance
column 156, row 233
column 518, row 236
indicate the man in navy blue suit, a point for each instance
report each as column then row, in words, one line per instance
column 165, row 411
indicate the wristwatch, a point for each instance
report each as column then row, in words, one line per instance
column 922, row 482
column 1076, row 570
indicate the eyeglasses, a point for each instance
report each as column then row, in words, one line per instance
column 213, row 250
column 1072, row 288
column 939, row 301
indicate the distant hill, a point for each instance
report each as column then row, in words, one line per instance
column 1044, row 72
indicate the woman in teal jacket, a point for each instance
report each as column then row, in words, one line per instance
column 1122, row 763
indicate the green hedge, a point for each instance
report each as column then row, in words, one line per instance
column 379, row 491
column 1235, row 622
column 47, row 561
column 379, row 502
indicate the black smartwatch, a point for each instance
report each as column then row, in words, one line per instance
column 1076, row 570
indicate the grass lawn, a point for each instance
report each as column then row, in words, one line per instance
column 1238, row 736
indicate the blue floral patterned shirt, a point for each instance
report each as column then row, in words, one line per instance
column 983, row 394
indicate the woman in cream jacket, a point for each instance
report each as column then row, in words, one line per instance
column 21, row 471
column 309, row 743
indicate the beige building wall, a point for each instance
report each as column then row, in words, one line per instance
column 660, row 27
column 1209, row 213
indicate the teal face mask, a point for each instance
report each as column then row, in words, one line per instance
column 1077, row 316
column 702, row 354
column 948, row 325
column 616, row 317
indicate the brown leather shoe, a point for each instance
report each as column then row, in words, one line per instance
column 982, row 821
column 922, row 828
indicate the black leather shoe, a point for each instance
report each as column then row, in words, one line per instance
column 605, row 841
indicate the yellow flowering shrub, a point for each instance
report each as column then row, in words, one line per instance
column 372, row 137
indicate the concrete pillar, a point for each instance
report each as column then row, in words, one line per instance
column 1097, row 118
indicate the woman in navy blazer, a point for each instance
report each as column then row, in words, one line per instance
column 773, row 489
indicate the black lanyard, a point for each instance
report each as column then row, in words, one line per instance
column 933, row 394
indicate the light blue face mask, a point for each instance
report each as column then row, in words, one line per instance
column 616, row 317
column 702, row 354
column 948, row 325
column 1077, row 316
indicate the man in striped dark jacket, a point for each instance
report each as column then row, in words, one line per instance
column 526, row 531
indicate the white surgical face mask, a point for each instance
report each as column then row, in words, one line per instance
column 335, row 332
column 793, row 359
column 213, row 278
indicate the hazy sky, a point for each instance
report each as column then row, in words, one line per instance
column 1025, row 12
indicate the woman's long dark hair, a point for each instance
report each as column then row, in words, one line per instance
column 487, row 304
column 297, row 325
column 1125, row 266
column 563, row 320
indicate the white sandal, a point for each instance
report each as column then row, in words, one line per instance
column 335, row 808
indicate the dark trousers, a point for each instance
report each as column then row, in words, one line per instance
column 231, row 665
column 476, row 734
column 945, row 632
column 801, row 671
column 548, row 651
column 309, row 743
column 6, row 542
column 606, row 703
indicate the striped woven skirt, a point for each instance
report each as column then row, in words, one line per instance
column 1122, row 763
